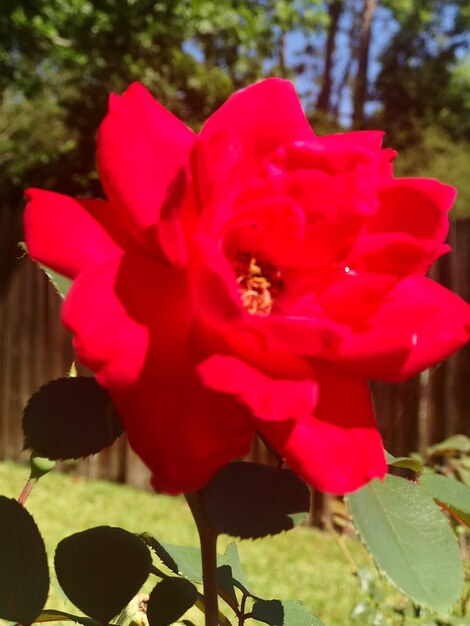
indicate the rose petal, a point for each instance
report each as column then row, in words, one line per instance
column 331, row 153
column 387, row 156
column 298, row 334
column 394, row 253
column 418, row 324
column 324, row 427
column 216, row 164
column 212, row 281
column 369, row 140
column 142, row 154
column 68, row 234
column 269, row 399
column 269, row 229
column 183, row 431
column 351, row 297
column 417, row 206
column 133, row 327
column 407, row 233
column 337, row 449
column 264, row 116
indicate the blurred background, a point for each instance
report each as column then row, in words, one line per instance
column 398, row 65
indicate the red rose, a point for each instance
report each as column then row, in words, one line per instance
column 251, row 277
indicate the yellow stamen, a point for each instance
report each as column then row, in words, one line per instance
column 257, row 282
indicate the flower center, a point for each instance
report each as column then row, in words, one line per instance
column 258, row 282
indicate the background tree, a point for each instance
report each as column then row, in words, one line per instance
column 59, row 59
column 424, row 76
column 335, row 8
column 361, row 81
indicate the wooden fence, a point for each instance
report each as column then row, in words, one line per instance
column 35, row 349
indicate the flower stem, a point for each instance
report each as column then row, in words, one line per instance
column 27, row 490
column 208, row 541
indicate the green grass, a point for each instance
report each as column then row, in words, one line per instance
column 303, row 564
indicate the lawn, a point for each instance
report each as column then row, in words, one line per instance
column 304, row 564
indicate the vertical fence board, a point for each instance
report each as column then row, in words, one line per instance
column 459, row 417
column 435, row 395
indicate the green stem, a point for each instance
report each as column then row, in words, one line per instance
column 208, row 541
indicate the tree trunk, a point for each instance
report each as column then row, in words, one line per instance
column 351, row 54
column 282, row 53
column 335, row 8
column 363, row 62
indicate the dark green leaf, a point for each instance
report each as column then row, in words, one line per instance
column 249, row 500
column 226, row 584
column 410, row 540
column 101, row 570
column 284, row 613
column 457, row 444
column 170, row 600
column 70, row 418
column 24, row 574
column 406, row 462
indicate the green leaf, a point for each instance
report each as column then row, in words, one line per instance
column 101, row 569
column 406, row 462
column 186, row 561
column 284, row 613
column 232, row 559
column 70, row 418
column 453, row 494
column 170, row 600
column 410, row 540
column 24, row 574
column 457, row 444
column 182, row 560
column 60, row 283
column 249, row 500
column 463, row 472
column 59, row 592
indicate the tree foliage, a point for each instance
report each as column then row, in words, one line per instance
column 425, row 70
column 59, row 60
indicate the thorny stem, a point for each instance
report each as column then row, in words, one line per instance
column 27, row 490
column 208, row 541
